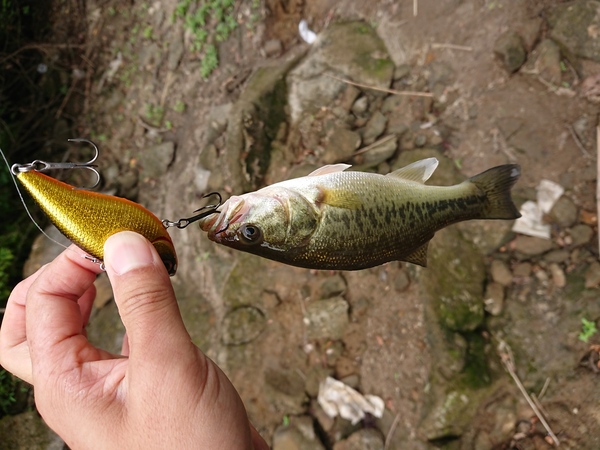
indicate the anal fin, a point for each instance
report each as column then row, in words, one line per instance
column 419, row 256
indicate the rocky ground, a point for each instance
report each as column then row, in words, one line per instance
column 491, row 82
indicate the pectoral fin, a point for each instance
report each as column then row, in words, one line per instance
column 419, row 256
column 339, row 198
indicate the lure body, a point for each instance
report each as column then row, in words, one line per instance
column 89, row 218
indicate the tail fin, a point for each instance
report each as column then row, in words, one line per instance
column 496, row 183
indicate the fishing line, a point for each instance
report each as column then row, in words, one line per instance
column 27, row 209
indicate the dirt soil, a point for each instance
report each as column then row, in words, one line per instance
column 388, row 345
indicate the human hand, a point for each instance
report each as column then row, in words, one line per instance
column 163, row 392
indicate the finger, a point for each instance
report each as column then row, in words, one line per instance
column 145, row 298
column 125, row 347
column 54, row 316
column 258, row 443
column 86, row 303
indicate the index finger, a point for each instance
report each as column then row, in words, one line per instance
column 53, row 315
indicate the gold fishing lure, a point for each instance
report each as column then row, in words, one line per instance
column 89, row 218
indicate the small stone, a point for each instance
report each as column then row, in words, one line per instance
column 545, row 62
column 365, row 439
column 556, row 256
column 374, row 128
column 348, row 97
column 332, row 286
column 592, row 275
column 401, row 71
column 420, row 140
column 284, row 390
column 522, row 270
column 379, row 152
column 351, row 380
column 156, row 159
column 532, row 246
column 297, row 436
column 327, row 319
column 345, row 366
column 581, row 234
column 494, row 298
column 333, row 352
column 243, row 325
column 402, row 281
column 501, row 273
column 341, row 146
column 323, row 419
column 360, row 106
column 558, row 275
column 564, row 212
column 273, row 47
column 315, row 375
column 360, row 307
column 510, row 50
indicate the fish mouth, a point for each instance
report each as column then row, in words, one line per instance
column 217, row 226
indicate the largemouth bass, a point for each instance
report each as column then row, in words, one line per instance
column 344, row 220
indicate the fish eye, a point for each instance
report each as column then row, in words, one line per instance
column 250, row 234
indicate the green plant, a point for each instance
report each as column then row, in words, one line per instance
column 179, row 106
column 210, row 61
column 209, row 21
column 588, row 329
column 154, row 114
column 6, row 261
column 147, row 33
column 8, row 388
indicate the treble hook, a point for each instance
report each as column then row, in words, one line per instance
column 206, row 211
column 42, row 166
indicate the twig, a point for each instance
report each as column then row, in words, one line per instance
column 381, row 141
column 452, row 46
column 578, row 142
column 390, row 434
column 544, row 388
column 507, row 359
column 375, row 88
column 415, row 7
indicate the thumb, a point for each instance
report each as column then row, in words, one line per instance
column 145, row 298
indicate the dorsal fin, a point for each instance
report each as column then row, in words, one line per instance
column 329, row 168
column 419, row 171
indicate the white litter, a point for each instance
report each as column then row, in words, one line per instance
column 307, row 35
column 532, row 221
column 339, row 399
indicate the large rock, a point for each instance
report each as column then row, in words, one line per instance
column 454, row 281
column 509, row 48
column 350, row 50
column 576, row 27
column 253, row 125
